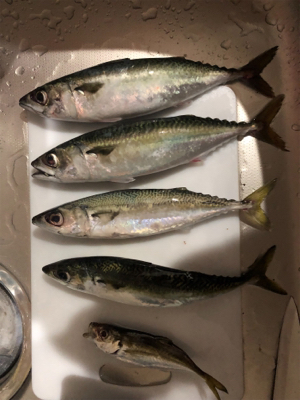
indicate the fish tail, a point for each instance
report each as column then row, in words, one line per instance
column 254, row 215
column 256, row 273
column 263, row 119
column 211, row 382
column 253, row 70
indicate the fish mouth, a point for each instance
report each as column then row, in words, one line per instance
column 91, row 334
column 43, row 175
column 24, row 104
column 46, row 269
column 36, row 220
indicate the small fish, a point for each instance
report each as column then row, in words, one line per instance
column 121, row 152
column 127, row 88
column 144, row 284
column 146, row 350
column 143, row 212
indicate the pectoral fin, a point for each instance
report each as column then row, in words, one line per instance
column 104, row 151
column 105, row 216
column 89, row 88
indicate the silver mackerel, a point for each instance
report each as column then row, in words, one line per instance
column 140, row 283
column 143, row 212
column 121, row 152
column 128, row 88
column 146, row 350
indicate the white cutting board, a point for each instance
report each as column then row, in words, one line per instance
column 64, row 364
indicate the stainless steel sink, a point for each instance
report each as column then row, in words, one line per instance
column 38, row 41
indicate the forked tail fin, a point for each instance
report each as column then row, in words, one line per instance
column 211, row 382
column 253, row 214
column 256, row 273
column 253, row 70
column 263, row 120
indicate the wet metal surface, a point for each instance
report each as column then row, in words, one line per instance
column 42, row 40
column 11, row 335
column 15, row 338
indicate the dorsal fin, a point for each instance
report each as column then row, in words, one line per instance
column 180, row 188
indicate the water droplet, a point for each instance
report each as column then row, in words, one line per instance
column 280, row 27
column 226, row 44
column 168, row 4
column 296, row 127
column 151, row 13
column 19, row 71
column 47, row 18
column 268, row 6
column 85, row 17
column 136, row 4
column 271, row 20
column 82, row 2
column 69, row 12
column 189, row 5
column 39, row 49
column 5, row 12
column 8, row 83
column 128, row 15
column 256, row 6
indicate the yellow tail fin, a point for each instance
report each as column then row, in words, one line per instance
column 254, row 215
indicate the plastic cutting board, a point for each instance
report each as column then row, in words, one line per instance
column 64, row 364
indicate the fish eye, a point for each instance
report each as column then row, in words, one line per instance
column 40, row 97
column 51, row 160
column 103, row 334
column 55, row 219
column 62, row 275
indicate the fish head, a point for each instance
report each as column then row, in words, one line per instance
column 53, row 100
column 68, row 273
column 106, row 337
column 62, row 164
column 64, row 220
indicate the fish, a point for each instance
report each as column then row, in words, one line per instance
column 126, row 88
column 146, row 350
column 131, row 213
column 141, row 283
column 121, row 152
